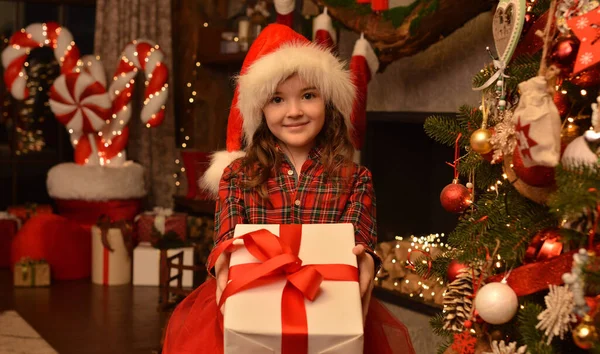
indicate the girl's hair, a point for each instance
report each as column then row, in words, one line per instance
column 262, row 159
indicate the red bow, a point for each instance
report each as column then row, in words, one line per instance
column 279, row 257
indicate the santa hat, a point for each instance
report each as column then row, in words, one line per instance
column 276, row 54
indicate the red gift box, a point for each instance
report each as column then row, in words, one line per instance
column 149, row 229
column 24, row 212
column 8, row 230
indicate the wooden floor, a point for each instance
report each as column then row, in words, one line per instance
column 79, row 317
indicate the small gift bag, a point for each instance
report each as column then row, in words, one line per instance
column 31, row 273
column 537, row 124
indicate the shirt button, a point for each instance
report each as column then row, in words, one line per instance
column 297, row 202
column 290, row 172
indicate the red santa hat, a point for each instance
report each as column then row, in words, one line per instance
column 276, row 54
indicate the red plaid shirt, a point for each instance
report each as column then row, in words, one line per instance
column 313, row 199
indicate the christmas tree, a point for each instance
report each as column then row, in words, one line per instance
column 522, row 270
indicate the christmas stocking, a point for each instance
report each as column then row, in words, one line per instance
column 363, row 65
column 323, row 31
column 285, row 11
column 537, row 124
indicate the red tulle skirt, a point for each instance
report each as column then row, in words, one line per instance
column 194, row 327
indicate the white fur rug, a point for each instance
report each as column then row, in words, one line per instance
column 18, row 337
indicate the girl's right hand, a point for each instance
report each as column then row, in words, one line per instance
column 222, row 274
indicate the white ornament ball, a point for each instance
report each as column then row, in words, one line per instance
column 496, row 303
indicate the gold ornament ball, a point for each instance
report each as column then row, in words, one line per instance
column 585, row 335
column 480, row 141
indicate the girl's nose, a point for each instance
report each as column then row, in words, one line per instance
column 294, row 109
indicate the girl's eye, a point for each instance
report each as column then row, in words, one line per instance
column 276, row 99
column 309, row 95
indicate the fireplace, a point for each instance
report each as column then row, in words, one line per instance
column 409, row 172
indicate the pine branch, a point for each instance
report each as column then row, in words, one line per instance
column 443, row 129
column 439, row 266
column 470, row 119
column 531, row 336
column 444, row 346
column 521, row 68
column 577, row 191
column 437, row 323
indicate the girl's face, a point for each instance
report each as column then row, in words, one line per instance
column 295, row 114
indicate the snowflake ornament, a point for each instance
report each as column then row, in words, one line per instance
column 556, row 319
column 504, row 139
column 464, row 343
column 586, row 58
column 582, row 23
column 503, row 348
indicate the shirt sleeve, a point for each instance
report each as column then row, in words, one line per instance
column 361, row 212
column 230, row 208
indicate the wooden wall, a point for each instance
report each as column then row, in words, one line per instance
column 205, row 119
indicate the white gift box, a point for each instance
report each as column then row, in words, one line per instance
column 146, row 265
column 253, row 318
column 110, row 268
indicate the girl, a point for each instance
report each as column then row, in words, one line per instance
column 292, row 107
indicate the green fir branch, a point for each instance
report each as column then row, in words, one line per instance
column 437, row 325
column 444, row 346
column 439, row 266
column 397, row 15
column 470, row 119
column 536, row 343
column 443, row 129
column 521, row 68
column 425, row 11
column 578, row 191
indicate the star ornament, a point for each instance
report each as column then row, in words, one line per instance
column 524, row 140
column 587, row 29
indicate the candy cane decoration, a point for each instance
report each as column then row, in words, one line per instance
column 140, row 55
column 95, row 118
column 34, row 36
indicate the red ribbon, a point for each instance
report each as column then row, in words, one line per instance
column 279, row 257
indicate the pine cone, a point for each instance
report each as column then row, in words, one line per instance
column 458, row 299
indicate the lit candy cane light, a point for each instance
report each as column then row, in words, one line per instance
column 34, row 36
column 143, row 55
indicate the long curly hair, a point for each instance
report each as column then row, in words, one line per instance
column 262, row 158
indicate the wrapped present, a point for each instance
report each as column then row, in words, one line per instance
column 162, row 227
column 31, row 273
column 24, row 212
column 9, row 224
column 292, row 289
column 112, row 248
column 147, row 263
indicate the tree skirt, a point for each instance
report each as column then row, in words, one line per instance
column 18, row 337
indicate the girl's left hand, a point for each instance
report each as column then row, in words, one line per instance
column 366, row 276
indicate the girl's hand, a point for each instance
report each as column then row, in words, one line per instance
column 222, row 274
column 366, row 276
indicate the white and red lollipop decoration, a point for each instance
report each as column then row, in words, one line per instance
column 34, row 36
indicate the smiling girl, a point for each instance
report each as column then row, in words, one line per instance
column 292, row 109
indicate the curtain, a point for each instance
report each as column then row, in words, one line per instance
column 118, row 22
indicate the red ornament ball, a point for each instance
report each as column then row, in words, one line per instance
column 537, row 176
column 453, row 268
column 564, row 53
column 455, row 198
column 468, row 324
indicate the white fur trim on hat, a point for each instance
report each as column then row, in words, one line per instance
column 284, row 7
column 218, row 162
column 96, row 183
column 313, row 63
column 363, row 48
